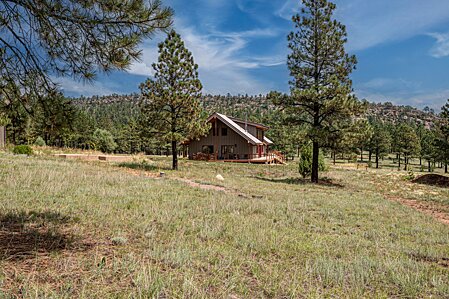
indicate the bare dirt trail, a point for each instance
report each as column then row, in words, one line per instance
column 430, row 208
column 433, row 209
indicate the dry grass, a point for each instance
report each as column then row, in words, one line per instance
column 268, row 234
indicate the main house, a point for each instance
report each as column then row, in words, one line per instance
column 232, row 139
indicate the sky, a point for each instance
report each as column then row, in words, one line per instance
column 402, row 47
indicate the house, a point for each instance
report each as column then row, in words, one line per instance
column 233, row 140
column 2, row 136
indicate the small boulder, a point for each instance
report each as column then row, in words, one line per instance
column 219, row 177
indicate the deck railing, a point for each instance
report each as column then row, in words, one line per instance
column 271, row 157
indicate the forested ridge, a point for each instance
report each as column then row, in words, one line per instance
column 120, row 108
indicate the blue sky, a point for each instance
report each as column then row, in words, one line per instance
column 240, row 46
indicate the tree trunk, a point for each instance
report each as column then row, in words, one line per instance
column 399, row 159
column 315, row 162
column 174, row 154
column 420, row 161
column 445, row 168
column 377, row 159
column 335, row 158
column 361, row 154
column 405, row 162
column 370, row 155
column 428, row 166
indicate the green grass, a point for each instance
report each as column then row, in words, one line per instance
column 73, row 229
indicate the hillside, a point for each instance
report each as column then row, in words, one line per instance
column 255, row 107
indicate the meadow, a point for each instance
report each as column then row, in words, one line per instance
column 74, row 229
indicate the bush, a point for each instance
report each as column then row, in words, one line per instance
column 22, row 150
column 104, row 141
column 39, row 141
column 305, row 161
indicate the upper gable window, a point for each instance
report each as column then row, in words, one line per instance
column 224, row 131
column 259, row 134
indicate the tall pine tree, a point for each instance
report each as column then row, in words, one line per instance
column 170, row 102
column 442, row 140
column 321, row 91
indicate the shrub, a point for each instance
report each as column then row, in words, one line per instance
column 305, row 161
column 104, row 141
column 22, row 150
column 410, row 176
column 39, row 141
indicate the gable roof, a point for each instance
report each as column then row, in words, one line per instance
column 250, row 123
column 235, row 127
column 267, row 141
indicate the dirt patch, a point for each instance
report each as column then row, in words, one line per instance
column 433, row 180
column 443, row 262
column 202, row 186
column 146, row 174
column 433, row 209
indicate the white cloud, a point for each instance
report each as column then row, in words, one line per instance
column 288, row 9
column 420, row 98
column 371, row 23
column 223, row 66
column 141, row 68
column 68, row 85
column 390, row 84
column 441, row 48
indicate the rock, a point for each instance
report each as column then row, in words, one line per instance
column 219, row 177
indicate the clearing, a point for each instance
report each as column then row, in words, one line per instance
column 92, row 229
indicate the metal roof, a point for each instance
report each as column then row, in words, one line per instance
column 238, row 129
column 267, row 141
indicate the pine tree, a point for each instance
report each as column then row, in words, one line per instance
column 380, row 142
column 41, row 39
column 321, row 88
column 170, row 106
column 407, row 143
column 442, row 139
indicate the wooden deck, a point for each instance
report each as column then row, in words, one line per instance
column 270, row 159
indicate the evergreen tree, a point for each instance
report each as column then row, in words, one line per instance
column 428, row 150
column 442, row 137
column 407, row 143
column 380, row 142
column 321, row 88
column 54, row 120
column 104, row 141
column 170, row 106
column 44, row 38
column 362, row 132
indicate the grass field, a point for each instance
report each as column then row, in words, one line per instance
column 72, row 229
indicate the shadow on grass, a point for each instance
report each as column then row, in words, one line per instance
column 25, row 235
column 143, row 166
column 301, row 181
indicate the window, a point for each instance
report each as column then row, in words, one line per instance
column 259, row 134
column 207, row 149
column 228, row 152
column 224, row 131
column 227, row 149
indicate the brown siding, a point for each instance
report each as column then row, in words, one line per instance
column 240, row 143
column 251, row 129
